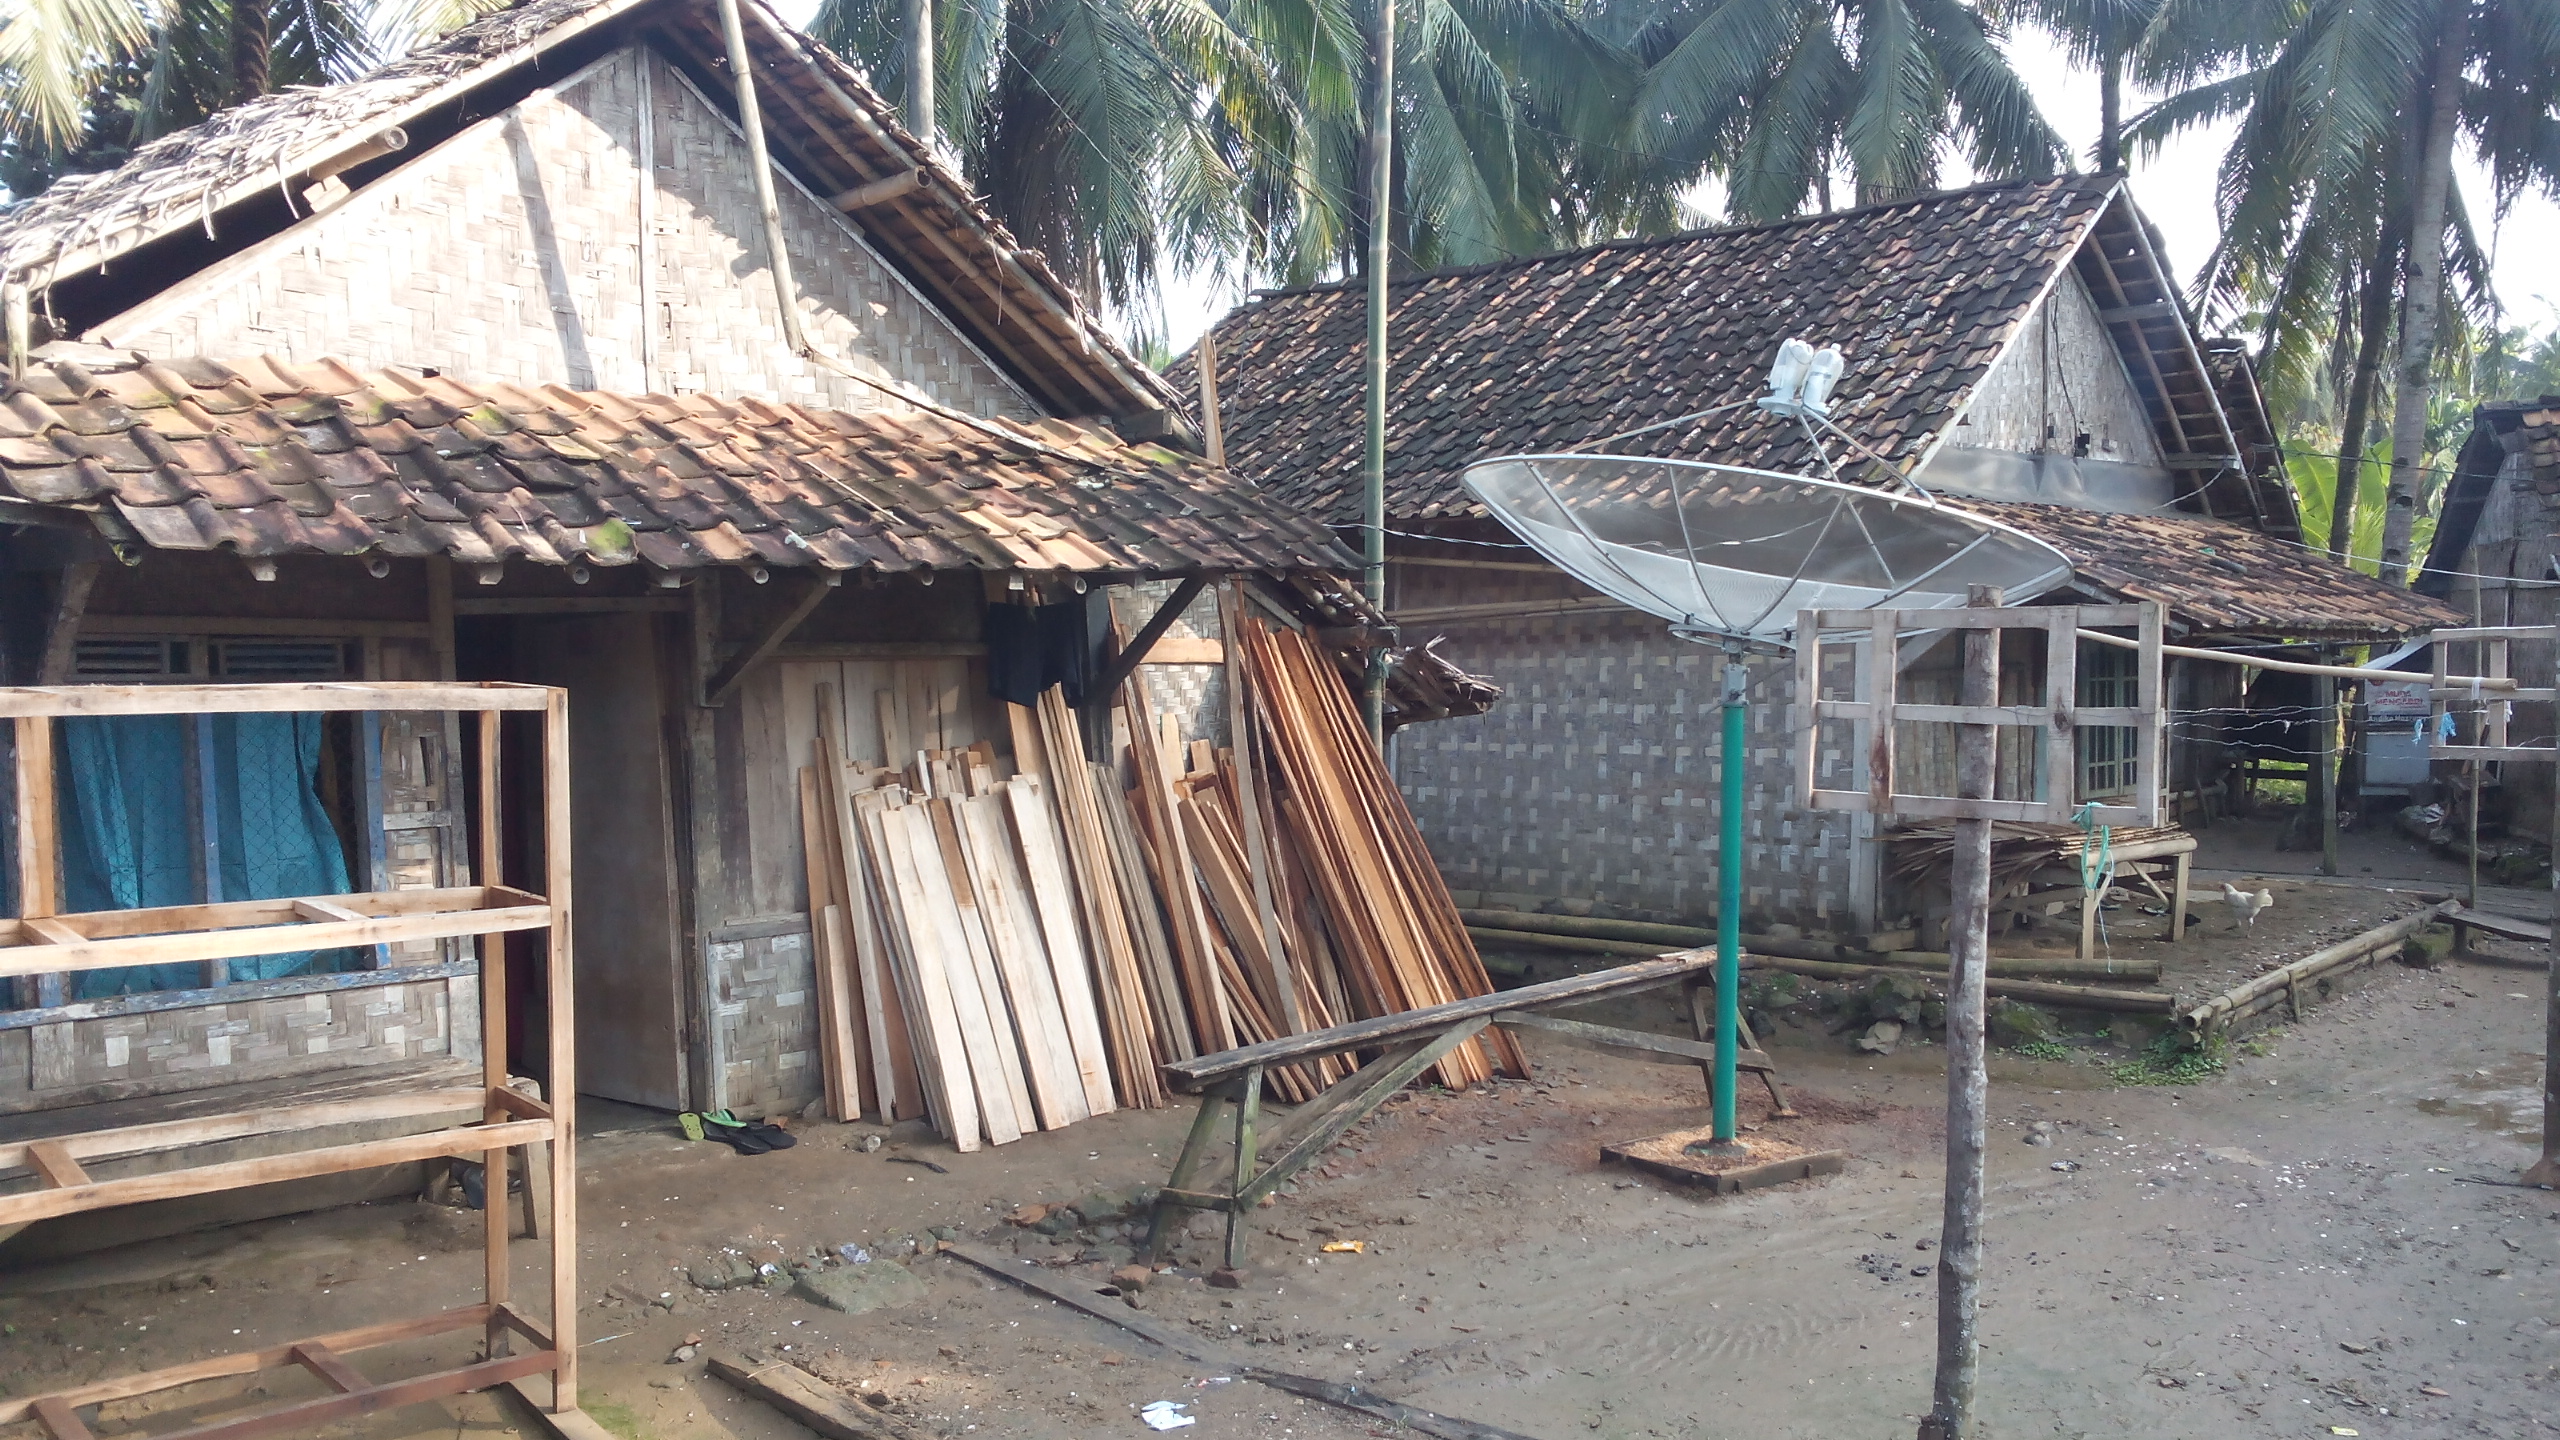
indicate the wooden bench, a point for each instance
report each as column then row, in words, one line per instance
column 1408, row 1044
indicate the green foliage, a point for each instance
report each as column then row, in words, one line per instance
column 84, row 81
column 1776, row 96
column 2173, row 1059
column 2043, row 1050
column 28, row 165
column 2315, row 190
column 2517, row 364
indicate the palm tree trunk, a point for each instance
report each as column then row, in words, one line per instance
column 2110, row 95
column 2422, row 293
column 250, row 40
column 920, row 53
column 2373, row 324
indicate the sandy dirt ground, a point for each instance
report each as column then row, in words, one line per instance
column 2297, row 1243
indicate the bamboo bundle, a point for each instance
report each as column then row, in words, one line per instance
column 1920, row 854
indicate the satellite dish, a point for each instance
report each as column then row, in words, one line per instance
column 1730, row 555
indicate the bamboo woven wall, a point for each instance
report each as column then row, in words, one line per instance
column 77, row 1061
column 1595, row 778
column 518, row 251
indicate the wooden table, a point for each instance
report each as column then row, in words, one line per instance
column 2179, row 850
column 1408, row 1044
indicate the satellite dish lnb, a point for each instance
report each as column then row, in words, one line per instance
column 1729, row 555
column 1801, row 378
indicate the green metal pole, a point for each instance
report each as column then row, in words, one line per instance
column 1737, row 708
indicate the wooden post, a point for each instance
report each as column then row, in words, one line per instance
column 488, row 865
column 39, row 843
column 2325, row 765
column 1212, row 425
column 2546, row 1171
column 1968, row 945
column 563, row 1088
column 1248, row 1115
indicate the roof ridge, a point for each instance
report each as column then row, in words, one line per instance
column 2074, row 181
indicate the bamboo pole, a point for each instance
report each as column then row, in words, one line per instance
column 2240, row 999
column 1373, row 450
column 1521, row 927
column 2296, row 667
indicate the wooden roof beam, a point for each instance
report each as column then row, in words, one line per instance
column 1047, row 390
column 1009, row 262
column 905, row 206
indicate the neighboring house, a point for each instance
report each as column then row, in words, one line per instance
column 2016, row 348
column 2496, row 559
column 403, row 379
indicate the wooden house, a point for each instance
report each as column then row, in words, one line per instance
column 2016, row 349
column 477, row 367
column 2496, row 560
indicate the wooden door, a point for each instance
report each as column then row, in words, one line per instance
column 630, row 975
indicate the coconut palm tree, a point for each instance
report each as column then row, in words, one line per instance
column 1120, row 135
column 82, row 81
column 1775, row 96
column 2349, row 111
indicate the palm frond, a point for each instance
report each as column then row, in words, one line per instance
column 53, row 54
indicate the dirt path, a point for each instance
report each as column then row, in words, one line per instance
column 2200, row 1273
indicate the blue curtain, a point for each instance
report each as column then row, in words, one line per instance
column 127, row 841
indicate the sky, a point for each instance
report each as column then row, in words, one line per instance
column 2175, row 188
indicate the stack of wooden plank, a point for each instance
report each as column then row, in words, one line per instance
column 952, row 975
column 1013, row 942
column 1395, row 930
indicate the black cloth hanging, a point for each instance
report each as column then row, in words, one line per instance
column 1032, row 647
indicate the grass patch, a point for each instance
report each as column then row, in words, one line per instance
column 615, row 1417
column 2042, row 1050
column 2171, row 1060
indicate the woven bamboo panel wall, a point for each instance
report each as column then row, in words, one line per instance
column 170, row 1050
column 516, row 251
column 1195, row 695
column 764, row 1025
column 1595, row 778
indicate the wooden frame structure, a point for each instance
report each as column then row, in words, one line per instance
column 43, row 942
column 1407, row 1044
column 2496, row 663
column 2058, row 718
column 2497, row 660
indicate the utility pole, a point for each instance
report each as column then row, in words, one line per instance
column 920, row 113
column 1373, row 458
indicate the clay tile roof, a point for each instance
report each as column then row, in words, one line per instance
column 555, row 479
column 2220, row 579
column 1561, row 351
